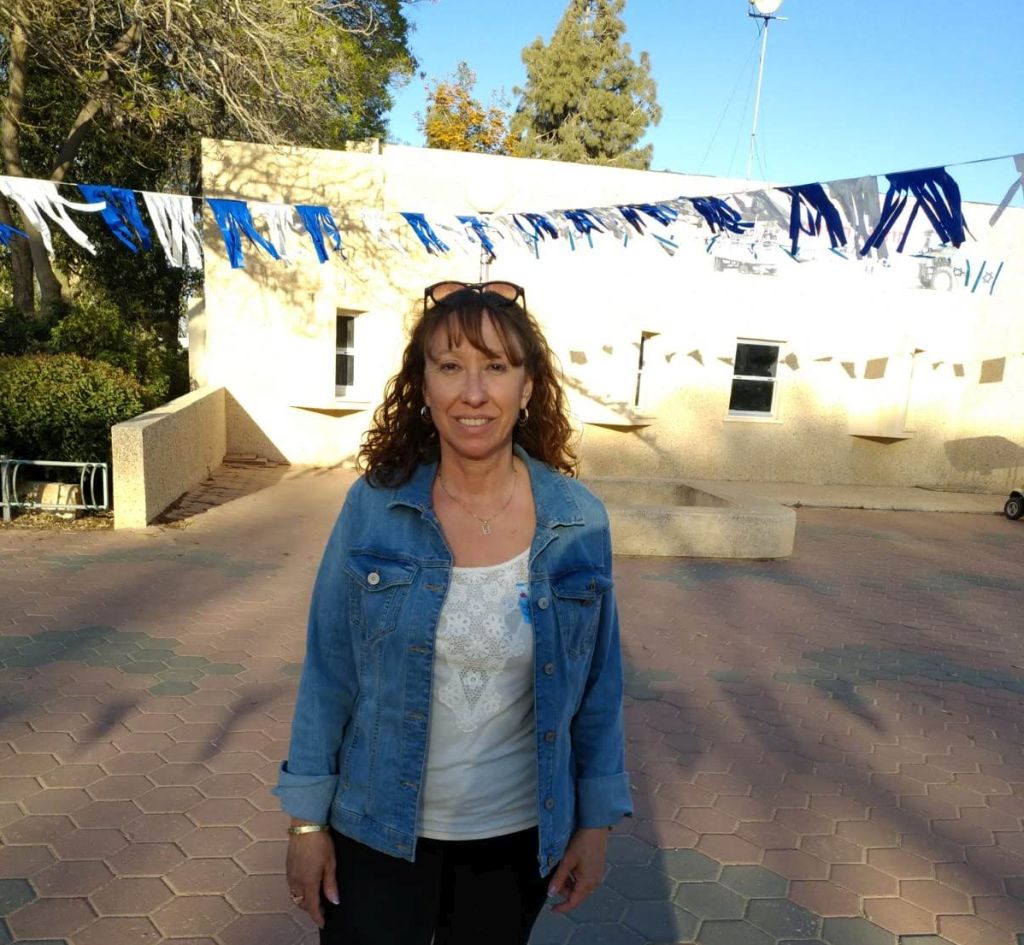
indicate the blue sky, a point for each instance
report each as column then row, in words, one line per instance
column 849, row 88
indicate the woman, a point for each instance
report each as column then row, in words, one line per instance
column 457, row 746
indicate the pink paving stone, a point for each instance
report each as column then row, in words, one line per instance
column 730, row 850
column 72, row 878
column 804, row 822
column 936, row 897
column 17, row 789
column 1001, row 911
column 665, row 834
column 768, row 835
column 962, row 831
column 263, row 856
column 37, row 828
column 230, row 762
column 175, row 799
column 900, row 917
column 1010, row 840
column 839, row 808
column 968, row 879
column 153, row 827
column 20, row 862
column 214, row 876
column 794, row 864
column 970, row 930
column 187, row 752
column 50, row 918
column 57, row 801
column 130, row 896
column 262, row 930
column 44, row 742
column 207, row 732
column 72, row 776
column 992, row 818
column 87, row 753
column 268, row 893
column 153, row 722
column 996, row 860
column 832, row 849
column 215, row 841
column 133, row 930
column 179, row 773
column 193, row 915
column 141, row 762
column 92, row 844
column 106, row 814
column 824, row 898
column 268, row 825
column 705, row 820
column 901, row 864
column 119, row 787
column 27, row 765
column 221, row 812
column 146, row 859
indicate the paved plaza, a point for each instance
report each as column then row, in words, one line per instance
column 827, row 749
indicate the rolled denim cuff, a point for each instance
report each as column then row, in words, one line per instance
column 604, row 801
column 306, row 796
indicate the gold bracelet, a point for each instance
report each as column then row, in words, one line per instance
column 299, row 829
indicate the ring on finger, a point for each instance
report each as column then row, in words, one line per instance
column 297, row 898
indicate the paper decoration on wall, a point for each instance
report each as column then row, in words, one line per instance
column 39, row 200
column 319, row 225
column 281, row 222
column 175, row 226
column 813, row 199
column 861, row 205
column 935, row 192
column 121, row 214
column 719, row 216
column 425, row 232
column 480, row 229
column 235, row 221
column 1018, row 184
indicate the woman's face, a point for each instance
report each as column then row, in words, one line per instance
column 474, row 399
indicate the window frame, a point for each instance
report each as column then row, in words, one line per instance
column 757, row 415
column 346, row 391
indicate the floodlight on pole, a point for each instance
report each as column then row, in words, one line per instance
column 765, row 11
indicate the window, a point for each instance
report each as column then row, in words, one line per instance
column 344, row 353
column 645, row 336
column 754, row 379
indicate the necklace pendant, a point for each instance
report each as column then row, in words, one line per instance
column 485, row 527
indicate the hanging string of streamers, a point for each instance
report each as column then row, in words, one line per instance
column 845, row 209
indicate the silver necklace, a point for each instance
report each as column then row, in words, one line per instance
column 485, row 523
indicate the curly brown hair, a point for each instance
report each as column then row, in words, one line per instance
column 399, row 440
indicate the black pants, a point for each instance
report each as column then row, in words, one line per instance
column 457, row 892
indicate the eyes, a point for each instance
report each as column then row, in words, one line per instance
column 492, row 367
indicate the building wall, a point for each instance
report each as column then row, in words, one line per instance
column 940, row 410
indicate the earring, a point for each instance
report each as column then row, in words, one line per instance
column 425, row 414
column 524, row 416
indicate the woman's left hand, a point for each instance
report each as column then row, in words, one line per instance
column 581, row 869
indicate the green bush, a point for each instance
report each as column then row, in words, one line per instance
column 62, row 407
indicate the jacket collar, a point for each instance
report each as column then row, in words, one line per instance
column 552, row 496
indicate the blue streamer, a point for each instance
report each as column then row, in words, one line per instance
column 542, row 226
column 584, row 221
column 121, row 214
column 425, row 232
column 719, row 215
column 480, row 228
column 319, row 222
column 9, row 232
column 657, row 211
column 935, row 193
column 234, row 219
column 819, row 209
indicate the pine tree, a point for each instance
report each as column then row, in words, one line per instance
column 456, row 121
column 586, row 99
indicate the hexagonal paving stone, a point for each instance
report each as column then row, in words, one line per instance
column 214, row 841
column 92, row 844
column 146, row 859
column 22, row 861
column 735, row 932
column 710, row 901
column 14, row 893
column 603, row 905
column 261, row 930
column 222, row 812
column 624, row 850
column 193, row 915
column 175, row 799
column 150, row 828
column 50, row 918
column 782, row 918
column 661, row 921
column 551, row 929
column 117, row 931
column 928, row 940
column 269, row 893
column 73, row 878
column 213, row 876
column 754, row 882
column 686, row 865
column 603, row 933
column 639, row 882
column 855, row 931
column 130, row 896
column 263, row 856
column 37, row 829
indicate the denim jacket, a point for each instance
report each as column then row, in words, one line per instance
column 358, row 748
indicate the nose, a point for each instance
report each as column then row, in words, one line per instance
column 474, row 392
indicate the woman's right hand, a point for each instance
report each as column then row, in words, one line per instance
column 309, row 867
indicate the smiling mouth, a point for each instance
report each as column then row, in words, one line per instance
column 474, row 421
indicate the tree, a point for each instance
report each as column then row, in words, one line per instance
column 154, row 75
column 456, row 121
column 586, row 99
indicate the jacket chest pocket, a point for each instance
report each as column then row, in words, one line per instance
column 577, row 597
column 379, row 587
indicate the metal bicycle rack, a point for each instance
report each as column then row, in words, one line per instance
column 92, row 483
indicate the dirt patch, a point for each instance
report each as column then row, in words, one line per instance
column 47, row 521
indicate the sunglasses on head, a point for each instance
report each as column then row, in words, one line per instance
column 450, row 294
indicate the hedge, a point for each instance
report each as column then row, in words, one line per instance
column 61, row 407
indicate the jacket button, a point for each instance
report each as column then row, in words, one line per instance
column 549, row 804
column 549, row 669
column 543, row 603
column 549, row 736
column 373, row 579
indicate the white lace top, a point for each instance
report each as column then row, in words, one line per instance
column 481, row 776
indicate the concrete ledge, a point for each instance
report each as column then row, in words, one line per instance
column 159, row 455
column 673, row 518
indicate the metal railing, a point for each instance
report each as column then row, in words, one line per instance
column 93, row 487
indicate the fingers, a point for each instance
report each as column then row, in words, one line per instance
column 330, row 880
column 559, row 877
column 312, row 903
